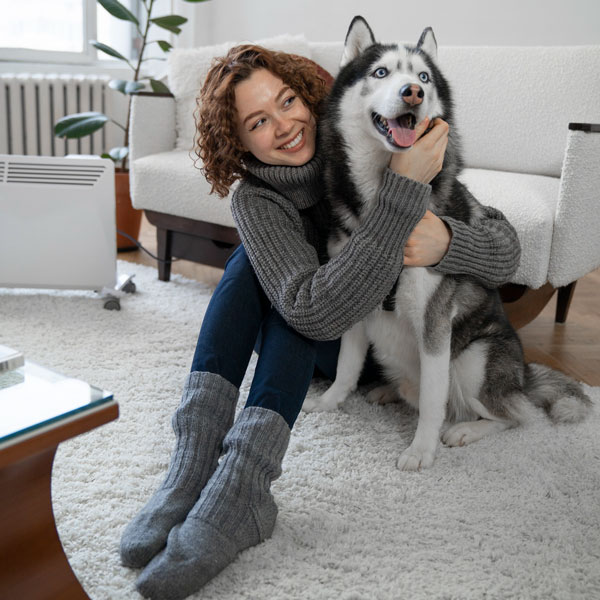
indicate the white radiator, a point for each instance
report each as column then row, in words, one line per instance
column 30, row 105
column 57, row 222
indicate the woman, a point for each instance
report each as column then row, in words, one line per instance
column 258, row 123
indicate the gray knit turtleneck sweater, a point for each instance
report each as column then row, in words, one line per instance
column 282, row 217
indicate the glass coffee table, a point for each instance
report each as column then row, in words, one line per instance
column 39, row 409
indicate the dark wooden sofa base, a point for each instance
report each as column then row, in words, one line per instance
column 211, row 244
column 198, row 241
column 522, row 304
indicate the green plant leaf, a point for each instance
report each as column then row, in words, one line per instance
column 106, row 155
column 118, row 153
column 175, row 30
column 116, row 9
column 158, row 87
column 108, row 50
column 126, row 87
column 134, row 86
column 117, row 84
column 164, row 46
column 79, row 124
column 170, row 22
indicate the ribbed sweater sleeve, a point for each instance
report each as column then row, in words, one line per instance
column 324, row 301
column 487, row 248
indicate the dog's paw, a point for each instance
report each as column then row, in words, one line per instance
column 468, row 432
column 384, row 394
column 311, row 405
column 414, row 459
column 324, row 403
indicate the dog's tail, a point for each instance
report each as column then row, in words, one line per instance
column 560, row 396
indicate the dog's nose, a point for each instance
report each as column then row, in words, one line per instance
column 412, row 94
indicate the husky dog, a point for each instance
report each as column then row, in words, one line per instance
column 446, row 346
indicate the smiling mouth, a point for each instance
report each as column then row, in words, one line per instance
column 399, row 132
column 291, row 145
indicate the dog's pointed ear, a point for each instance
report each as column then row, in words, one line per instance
column 428, row 43
column 358, row 38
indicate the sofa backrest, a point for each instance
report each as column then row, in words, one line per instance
column 512, row 104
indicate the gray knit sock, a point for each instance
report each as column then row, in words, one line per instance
column 235, row 511
column 200, row 424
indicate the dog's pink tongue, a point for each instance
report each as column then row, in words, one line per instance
column 403, row 136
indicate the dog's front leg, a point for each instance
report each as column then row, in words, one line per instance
column 433, row 397
column 351, row 359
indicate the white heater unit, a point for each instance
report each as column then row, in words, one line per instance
column 57, row 222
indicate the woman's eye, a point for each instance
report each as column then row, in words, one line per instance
column 289, row 100
column 380, row 73
column 257, row 124
column 424, row 77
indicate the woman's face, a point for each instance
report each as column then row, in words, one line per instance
column 274, row 124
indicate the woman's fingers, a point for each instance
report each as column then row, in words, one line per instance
column 438, row 131
column 421, row 127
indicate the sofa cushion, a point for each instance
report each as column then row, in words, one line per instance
column 529, row 203
column 170, row 183
column 188, row 67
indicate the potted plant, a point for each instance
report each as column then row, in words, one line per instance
column 82, row 124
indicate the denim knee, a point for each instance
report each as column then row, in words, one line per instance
column 238, row 264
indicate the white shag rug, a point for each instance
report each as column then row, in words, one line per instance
column 513, row 516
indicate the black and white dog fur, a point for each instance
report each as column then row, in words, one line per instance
column 446, row 347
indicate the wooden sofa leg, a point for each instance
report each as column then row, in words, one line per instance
column 565, row 295
column 522, row 304
column 163, row 245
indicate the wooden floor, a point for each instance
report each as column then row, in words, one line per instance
column 573, row 347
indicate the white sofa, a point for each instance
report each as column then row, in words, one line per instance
column 514, row 107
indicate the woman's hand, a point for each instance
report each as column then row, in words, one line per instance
column 428, row 243
column 425, row 159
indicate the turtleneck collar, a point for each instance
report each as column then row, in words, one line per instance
column 301, row 185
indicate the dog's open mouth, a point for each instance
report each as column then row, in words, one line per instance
column 399, row 132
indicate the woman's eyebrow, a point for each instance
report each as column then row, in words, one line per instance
column 282, row 91
column 253, row 115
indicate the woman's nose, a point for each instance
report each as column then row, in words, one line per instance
column 283, row 125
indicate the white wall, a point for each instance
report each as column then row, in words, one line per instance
column 455, row 22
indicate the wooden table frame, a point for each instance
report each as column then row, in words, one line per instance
column 33, row 564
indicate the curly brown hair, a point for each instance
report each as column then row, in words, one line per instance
column 216, row 141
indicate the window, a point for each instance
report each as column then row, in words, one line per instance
column 58, row 31
column 43, row 25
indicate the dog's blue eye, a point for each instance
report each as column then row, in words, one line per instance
column 424, row 77
column 380, row 73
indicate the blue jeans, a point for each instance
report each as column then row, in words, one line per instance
column 239, row 319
